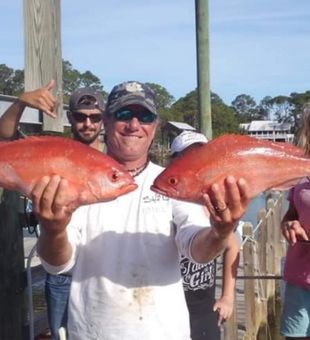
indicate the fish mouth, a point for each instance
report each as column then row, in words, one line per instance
column 160, row 191
column 126, row 188
column 132, row 186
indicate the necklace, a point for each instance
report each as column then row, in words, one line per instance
column 137, row 171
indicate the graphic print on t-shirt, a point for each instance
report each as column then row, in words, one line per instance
column 197, row 276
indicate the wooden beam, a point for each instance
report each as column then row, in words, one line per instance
column 43, row 60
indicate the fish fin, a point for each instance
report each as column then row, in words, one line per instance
column 10, row 180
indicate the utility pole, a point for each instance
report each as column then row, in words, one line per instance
column 43, row 59
column 203, row 73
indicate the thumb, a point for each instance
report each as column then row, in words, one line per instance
column 50, row 85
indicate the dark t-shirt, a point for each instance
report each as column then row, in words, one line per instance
column 199, row 287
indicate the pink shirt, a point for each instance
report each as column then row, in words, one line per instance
column 297, row 264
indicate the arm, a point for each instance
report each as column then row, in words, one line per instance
column 40, row 99
column 10, row 119
column 291, row 227
column 225, row 304
column 210, row 242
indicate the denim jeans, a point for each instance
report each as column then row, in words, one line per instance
column 57, row 290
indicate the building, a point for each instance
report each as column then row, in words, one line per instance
column 269, row 130
column 170, row 130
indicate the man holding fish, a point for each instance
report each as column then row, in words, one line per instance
column 123, row 253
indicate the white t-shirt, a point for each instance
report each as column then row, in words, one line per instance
column 126, row 280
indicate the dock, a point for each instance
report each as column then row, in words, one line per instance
column 259, row 283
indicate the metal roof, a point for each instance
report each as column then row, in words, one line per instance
column 181, row 125
column 265, row 125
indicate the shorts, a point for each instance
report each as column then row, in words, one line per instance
column 295, row 320
column 204, row 326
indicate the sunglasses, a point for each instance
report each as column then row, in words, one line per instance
column 80, row 117
column 144, row 117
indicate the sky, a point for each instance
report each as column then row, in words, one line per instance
column 257, row 47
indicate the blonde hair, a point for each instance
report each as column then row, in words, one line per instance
column 304, row 136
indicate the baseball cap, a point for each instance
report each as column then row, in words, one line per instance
column 86, row 98
column 129, row 93
column 185, row 139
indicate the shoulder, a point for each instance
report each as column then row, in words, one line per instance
column 155, row 168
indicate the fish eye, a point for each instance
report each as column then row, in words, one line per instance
column 114, row 176
column 172, row 181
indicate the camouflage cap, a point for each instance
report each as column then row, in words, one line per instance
column 129, row 93
column 86, row 98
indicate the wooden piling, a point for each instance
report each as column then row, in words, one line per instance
column 43, row 58
column 257, row 308
column 12, row 282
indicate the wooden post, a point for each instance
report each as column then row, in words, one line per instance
column 11, row 268
column 270, row 256
column 262, row 244
column 203, row 72
column 231, row 325
column 249, row 285
column 43, row 60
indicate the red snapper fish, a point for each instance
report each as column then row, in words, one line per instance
column 92, row 176
column 263, row 164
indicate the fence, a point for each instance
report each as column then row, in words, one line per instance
column 257, row 303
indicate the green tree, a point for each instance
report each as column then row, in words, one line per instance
column 298, row 100
column 164, row 99
column 186, row 109
column 11, row 81
column 18, row 82
column 73, row 79
column 245, row 108
column 282, row 108
column 223, row 116
column 264, row 109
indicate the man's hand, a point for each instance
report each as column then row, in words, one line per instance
column 226, row 208
column 41, row 99
column 48, row 203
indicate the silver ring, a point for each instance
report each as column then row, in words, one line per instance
column 220, row 210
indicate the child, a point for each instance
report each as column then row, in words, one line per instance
column 295, row 321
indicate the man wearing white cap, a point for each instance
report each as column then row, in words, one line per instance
column 185, row 139
column 199, row 279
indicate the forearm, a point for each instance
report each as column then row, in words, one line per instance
column 229, row 281
column 10, row 119
column 207, row 244
column 54, row 248
column 230, row 268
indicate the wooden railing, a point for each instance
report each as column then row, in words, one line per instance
column 257, row 304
